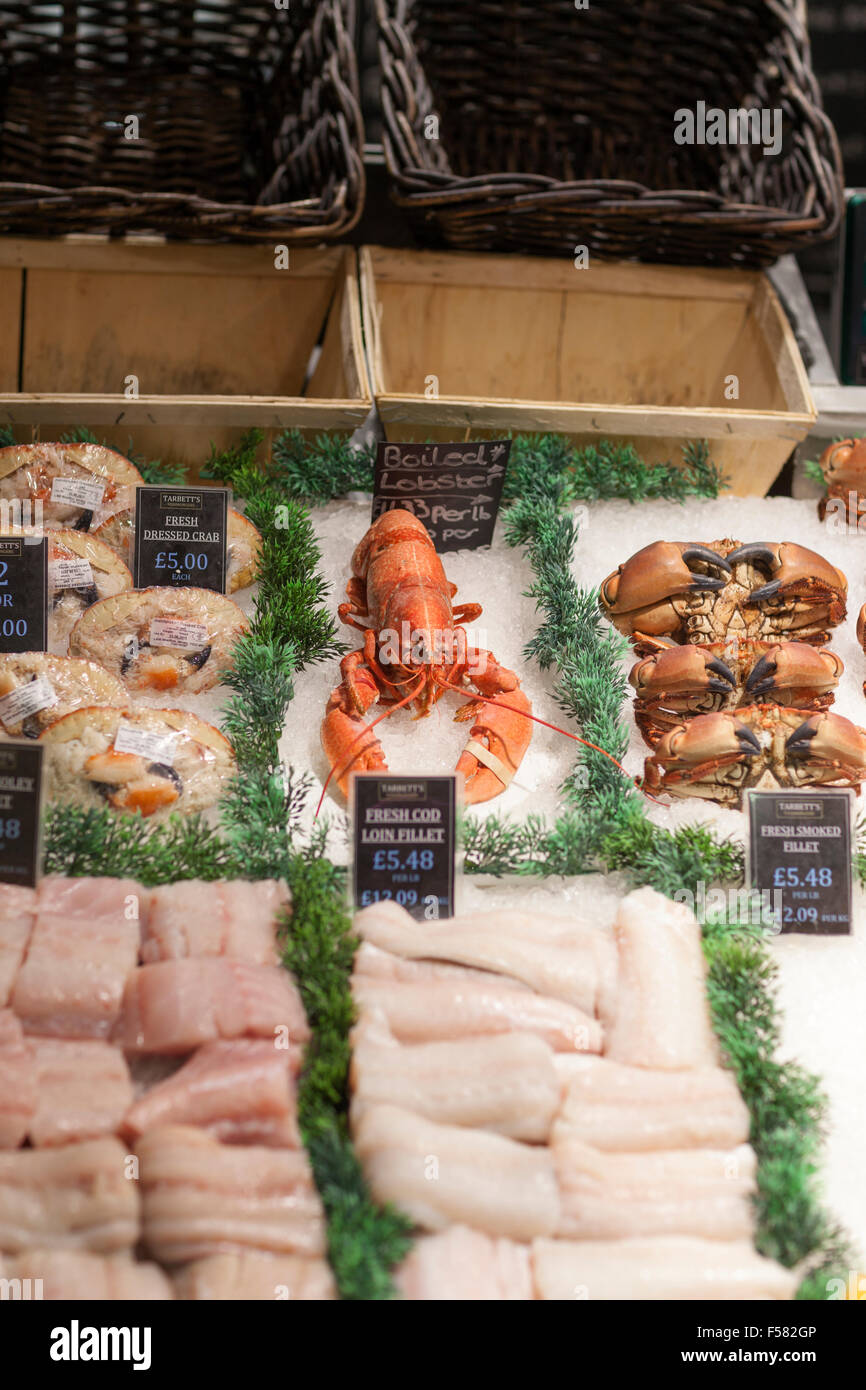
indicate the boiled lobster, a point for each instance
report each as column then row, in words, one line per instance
column 415, row 648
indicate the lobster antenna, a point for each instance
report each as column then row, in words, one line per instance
column 536, row 719
column 365, row 730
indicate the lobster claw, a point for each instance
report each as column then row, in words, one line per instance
column 498, row 739
column 349, row 745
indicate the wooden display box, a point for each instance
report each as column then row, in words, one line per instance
column 634, row 352
column 217, row 337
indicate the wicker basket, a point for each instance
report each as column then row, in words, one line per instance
column 247, row 118
column 556, row 127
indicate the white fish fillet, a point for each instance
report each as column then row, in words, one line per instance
column 80, row 1276
column 17, row 1082
column 504, row 1084
column 372, row 961
column 632, row 1109
column 242, row 1092
column 176, row 1005
column 441, row 1174
column 84, row 1090
column 200, row 1197
column 78, row 1197
column 194, row 918
column 577, row 967
column 665, row 1267
column 84, row 899
column 17, row 910
column 698, row 1192
column 435, row 1010
column 82, row 950
column 258, row 1276
column 462, row 1265
column 661, row 1016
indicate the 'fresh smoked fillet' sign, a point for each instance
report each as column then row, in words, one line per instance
column 453, row 488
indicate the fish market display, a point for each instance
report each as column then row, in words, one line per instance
column 243, row 545
column 527, row 1162
column 168, row 760
column 200, row 1197
column 77, row 486
column 161, row 639
column 415, row 649
column 719, row 756
column 689, row 592
column 37, row 689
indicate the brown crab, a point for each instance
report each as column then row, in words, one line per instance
column 844, row 467
column 678, row 682
column 719, row 756
column 700, row 594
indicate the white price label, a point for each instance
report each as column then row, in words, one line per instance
column 27, row 699
column 157, row 748
column 172, row 632
column 70, row 574
column 73, row 492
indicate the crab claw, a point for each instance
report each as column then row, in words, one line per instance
column 711, row 738
column 638, row 595
column 795, row 669
column 795, row 572
column 497, row 742
column 831, row 742
column 682, row 671
column 844, row 463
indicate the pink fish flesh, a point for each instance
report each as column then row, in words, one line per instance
column 242, row 1092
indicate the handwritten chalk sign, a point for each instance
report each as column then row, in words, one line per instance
column 455, row 489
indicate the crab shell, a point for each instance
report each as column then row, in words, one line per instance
column 844, row 467
column 677, row 682
column 690, row 592
column 718, row 756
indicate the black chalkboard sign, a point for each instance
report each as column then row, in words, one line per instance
column 800, row 857
column 23, row 594
column 455, row 489
column 404, row 837
column 180, row 537
column 20, row 800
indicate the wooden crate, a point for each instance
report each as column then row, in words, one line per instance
column 218, row 338
column 634, row 352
